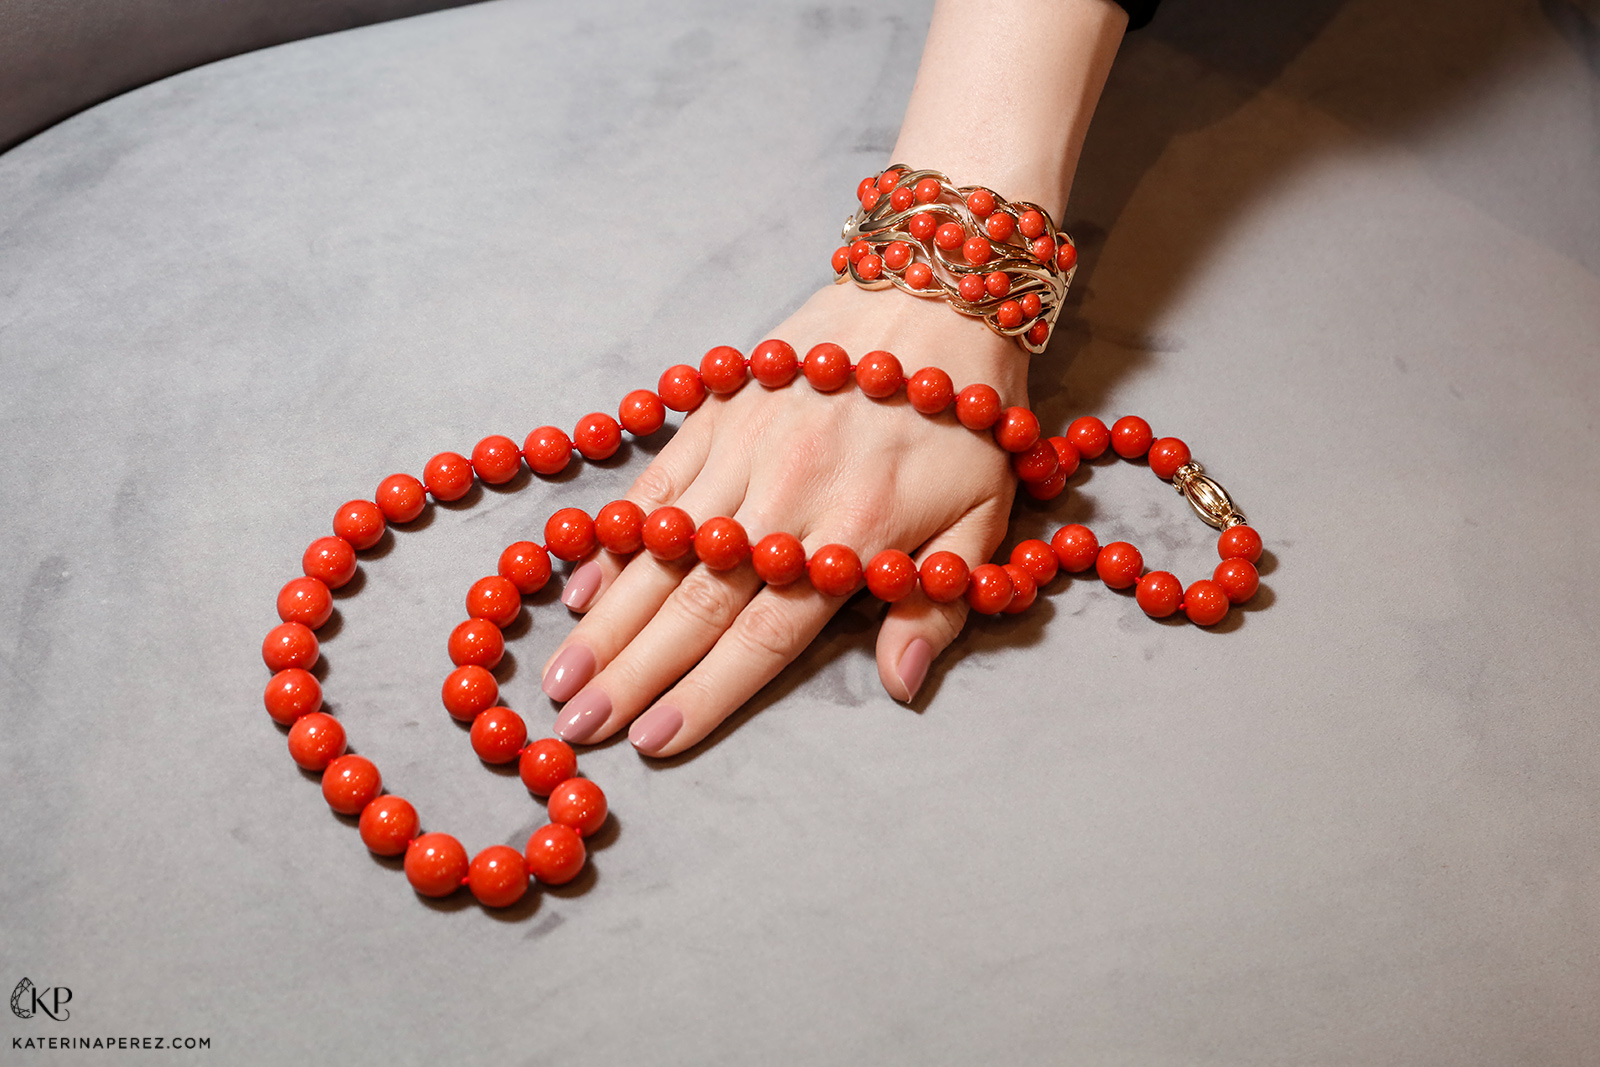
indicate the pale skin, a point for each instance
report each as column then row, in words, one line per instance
column 1003, row 98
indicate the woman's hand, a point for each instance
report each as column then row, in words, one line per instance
column 675, row 648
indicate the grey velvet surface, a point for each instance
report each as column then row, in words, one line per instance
column 1350, row 255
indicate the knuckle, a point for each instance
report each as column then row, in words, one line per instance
column 707, row 599
column 770, row 628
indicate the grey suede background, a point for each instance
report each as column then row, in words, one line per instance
column 1352, row 255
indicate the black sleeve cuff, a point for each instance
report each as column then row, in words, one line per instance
column 1139, row 11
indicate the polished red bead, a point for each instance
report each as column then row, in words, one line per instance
column 387, row 825
column 949, row 236
column 496, row 459
column 980, row 202
column 545, row 764
column 400, row 497
column 1000, row 226
column 1089, row 436
column 619, row 527
column 1031, row 223
column 527, row 565
column 859, row 249
column 774, row 363
column 580, row 804
column 971, row 288
column 436, row 865
column 1159, row 594
column 330, row 560
column 498, row 735
column 668, row 533
column 835, row 570
column 988, row 589
column 870, row 201
column 896, row 254
column 476, row 642
column 827, row 367
column 977, row 251
column 468, row 692
column 1049, row 488
column 1009, row 314
column 1066, row 453
column 930, row 390
column 1131, row 437
column 864, row 185
column 680, row 388
column 359, row 522
column 290, row 644
column 1166, row 456
column 779, row 558
column 723, row 369
column 1076, row 547
column 879, row 374
column 1043, row 249
column 1017, row 430
column 642, row 413
column 1039, row 333
column 569, row 534
column 548, row 450
column 887, row 179
column 316, row 740
column 1030, row 305
column 919, row 275
column 498, row 877
column 350, row 783
column 721, row 543
column 597, row 436
column 1119, row 565
column 923, row 225
column 1038, row 559
column 1024, row 590
column 555, row 854
column 870, row 267
column 997, row 283
column 496, row 599
column 978, row 406
column 448, row 476
column 1066, row 256
column 900, row 199
column 1238, row 578
column 1240, row 542
column 927, row 191
column 1205, row 602
column 306, row 601
column 1037, row 463
column 891, row 575
column 841, row 259
column 291, row 693
column 944, row 576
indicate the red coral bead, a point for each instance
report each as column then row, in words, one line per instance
column 989, row 589
column 331, row 560
column 290, row 644
column 555, row 854
column 997, row 283
column 526, row 565
column 569, row 534
column 930, row 390
column 1131, row 437
column 468, row 692
column 723, row 370
column 619, row 527
column 476, row 642
column 387, row 825
column 496, row 459
column 1238, row 578
column 400, row 497
column 870, row 201
column 919, row 276
column 978, row 406
column 1037, row 463
column 1166, row 456
column 891, row 575
column 642, row 413
column 1009, row 315
column 1089, row 436
column 1031, row 223
column 949, row 236
column 291, row 693
column 779, row 558
column 1038, row 559
column 1067, row 454
column 1017, row 430
column 436, row 865
column 977, row 251
column 1066, row 256
column 597, row 436
column 865, row 184
column 887, row 180
column 980, row 202
column 1000, row 226
column 1039, row 333
column 835, row 570
column 1048, row 489
column 900, row 199
column 859, row 249
column 944, row 576
column 306, row 601
column 841, row 259
column 870, row 267
column 498, row 877
column 580, row 804
column 1076, row 547
column 496, row 599
column 879, row 374
column 721, row 543
column 448, row 476
column 1119, row 565
column 923, row 225
column 1030, row 305
column 316, row 740
column 668, row 533
column 896, row 254
column 498, row 735
column 680, row 388
column 1205, row 602
column 1159, row 594
column 927, row 191
column 827, row 367
column 360, row 522
column 545, row 764
column 1043, row 249
column 548, row 450
column 1239, row 542
column 971, row 288
column 350, row 783
column 774, row 363
column 1024, row 590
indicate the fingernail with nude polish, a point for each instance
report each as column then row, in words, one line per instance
column 581, row 586
column 913, row 668
column 569, row 673
column 582, row 718
column 655, row 729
